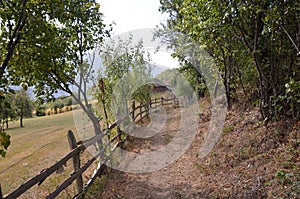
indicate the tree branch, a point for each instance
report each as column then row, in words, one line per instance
column 15, row 38
column 291, row 39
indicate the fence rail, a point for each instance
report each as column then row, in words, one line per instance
column 77, row 148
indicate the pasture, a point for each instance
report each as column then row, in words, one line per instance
column 33, row 148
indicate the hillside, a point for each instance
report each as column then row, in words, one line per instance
column 252, row 159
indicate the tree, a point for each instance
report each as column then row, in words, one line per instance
column 22, row 105
column 126, row 70
column 7, row 110
column 63, row 56
column 50, row 46
column 255, row 42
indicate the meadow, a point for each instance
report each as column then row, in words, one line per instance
column 38, row 145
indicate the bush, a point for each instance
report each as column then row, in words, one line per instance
column 40, row 111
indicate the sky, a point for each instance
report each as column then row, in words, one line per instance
column 130, row 15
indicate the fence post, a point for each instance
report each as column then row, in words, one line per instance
column 150, row 106
column 141, row 114
column 133, row 109
column 76, row 160
column 1, row 196
column 118, row 126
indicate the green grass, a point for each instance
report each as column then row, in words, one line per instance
column 38, row 145
column 96, row 187
column 228, row 129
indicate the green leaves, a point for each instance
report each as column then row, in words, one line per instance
column 54, row 42
column 126, row 69
column 44, row 43
column 4, row 143
column 253, row 43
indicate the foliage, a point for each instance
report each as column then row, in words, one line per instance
column 289, row 101
column 23, row 105
column 44, row 44
column 293, row 97
column 142, row 94
column 255, row 44
column 126, row 70
column 58, row 53
column 40, row 111
column 4, row 142
column 7, row 109
column 181, row 82
column 14, row 104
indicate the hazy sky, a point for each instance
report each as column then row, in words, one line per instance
column 131, row 15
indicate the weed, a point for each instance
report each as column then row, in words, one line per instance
column 97, row 187
column 199, row 166
column 228, row 129
column 179, row 195
column 283, row 177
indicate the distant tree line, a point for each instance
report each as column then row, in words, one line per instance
column 58, row 105
column 18, row 105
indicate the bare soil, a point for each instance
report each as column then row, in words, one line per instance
column 252, row 159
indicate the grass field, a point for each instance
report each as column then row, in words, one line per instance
column 37, row 146
column 33, row 148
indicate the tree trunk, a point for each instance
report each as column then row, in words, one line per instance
column 200, row 92
column 94, row 120
column 21, row 121
column 6, row 120
column 14, row 39
column 105, row 111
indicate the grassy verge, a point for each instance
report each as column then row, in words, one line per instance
column 33, row 148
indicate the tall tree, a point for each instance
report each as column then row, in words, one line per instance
column 22, row 105
column 7, row 110
column 52, row 46
column 64, row 55
column 126, row 69
column 15, row 15
column 256, row 41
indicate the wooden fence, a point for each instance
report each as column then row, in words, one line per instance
column 138, row 113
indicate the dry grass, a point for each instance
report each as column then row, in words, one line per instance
column 250, row 160
column 38, row 145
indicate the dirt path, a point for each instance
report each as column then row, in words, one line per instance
column 174, row 181
column 245, row 162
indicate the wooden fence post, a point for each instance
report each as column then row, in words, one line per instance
column 133, row 109
column 118, row 126
column 141, row 114
column 76, row 160
column 119, row 132
column 148, row 109
column 1, row 196
column 150, row 106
